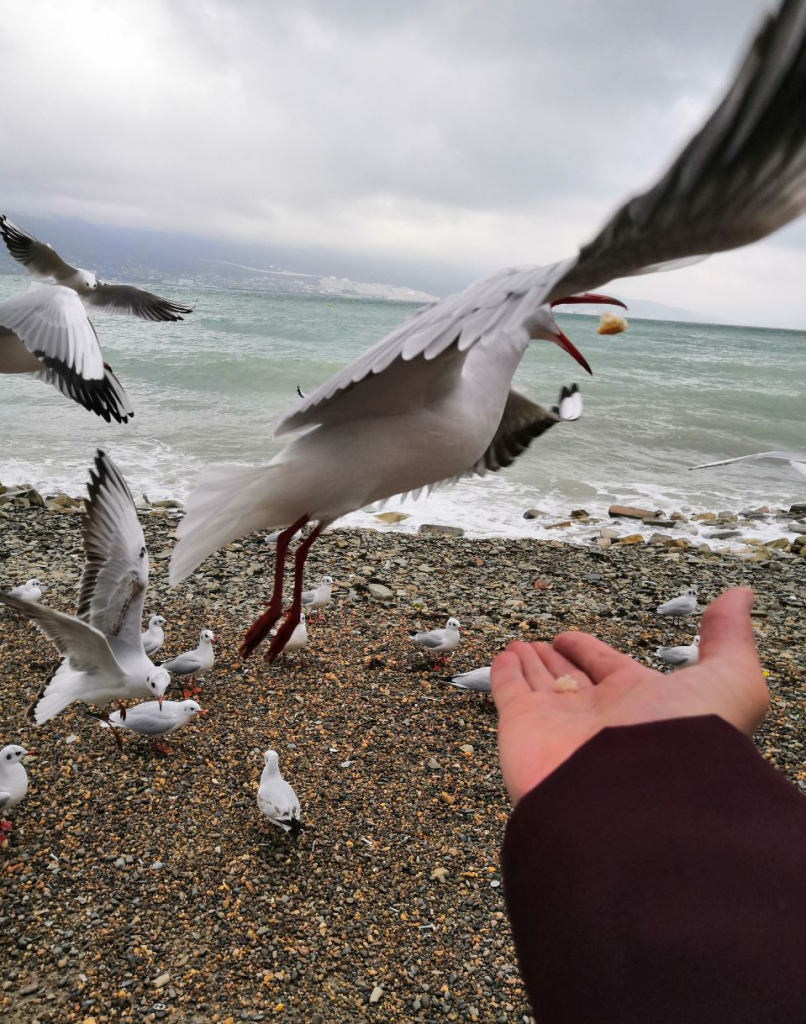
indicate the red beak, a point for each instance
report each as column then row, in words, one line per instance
column 29, row 753
column 568, row 346
column 201, row 711
column 159, row 701
column 588, row 298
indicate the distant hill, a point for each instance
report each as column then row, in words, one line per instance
column 152, row 257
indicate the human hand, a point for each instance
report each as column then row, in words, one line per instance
column 539, row 728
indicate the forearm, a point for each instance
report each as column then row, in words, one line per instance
column 658, row 875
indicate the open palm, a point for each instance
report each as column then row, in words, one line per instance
column 540, row 728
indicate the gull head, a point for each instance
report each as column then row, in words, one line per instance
column 690, row 592
column 452, row 623
column 271, row 761
column 158, row 682
column 696, row 641
column 207, row 636
column 86, row 281
column 34, row 583
column 190, row 709
column 327, row 581
column 545, row 327
column 13, row 754
column 156, row 620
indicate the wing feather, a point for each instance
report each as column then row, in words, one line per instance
column 128, row 299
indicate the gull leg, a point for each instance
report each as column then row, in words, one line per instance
column 115, row 733
column 291, row 621
column 5, row 832
column 259, row 629
column 162, row 748
column 122, row 709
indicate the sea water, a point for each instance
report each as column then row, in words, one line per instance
column 664, row 396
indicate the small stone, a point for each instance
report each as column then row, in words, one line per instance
column 375, row 994
column 633, row 538
column 379, row 591
column 534, row 513
column 162, row 980
column 630, row 512
column 392, row 517
column 440, row 874
column 433, row 530
column 433, row 764
column 466, row 748
column 446, row 798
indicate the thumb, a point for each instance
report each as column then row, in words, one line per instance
column 728, row 649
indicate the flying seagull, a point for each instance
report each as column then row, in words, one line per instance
column 102, row 645
column 797, row 460
column 424, row 405
column 44, row 263
column 46, row 334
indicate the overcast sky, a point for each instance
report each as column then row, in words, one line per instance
column 476, row 133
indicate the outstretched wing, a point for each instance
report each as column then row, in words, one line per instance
column 106, row 398
column 39, row 259
column 740, row 178
column 796, row 459
column 128, row 299
column 84, row 646
column 523, row 421
column 52, row 324
column 113, row 584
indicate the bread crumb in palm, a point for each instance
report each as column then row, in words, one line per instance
column 566, row 684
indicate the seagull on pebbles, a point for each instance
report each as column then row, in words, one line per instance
column 193, row 663
column 154, row 638
column 439, row 642
column 433, row 400
column 478, row 681
column 276, row 799
column 31, row 590
column 316, row 600
column 687, row 654
column 156, row 720
column 297, row 640
column 102, row 645
column 13, row 783
column 680, row 607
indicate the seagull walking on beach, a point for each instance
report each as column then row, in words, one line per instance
column 317, row 600
column 193, row 663
column 13, row 783
column 153, row 637
column 45, row 264
column 797, row 460
column 276, row 799
column 440, row 642
column 478, row 680
column 686, row 654
column 45, row 333
column 155, row 720
column 31, row 590
column 102, row 645
column 679, row 607
column 433, row 400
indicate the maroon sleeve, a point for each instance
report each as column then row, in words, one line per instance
column 659, row 875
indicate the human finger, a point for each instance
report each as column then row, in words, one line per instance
column 537, row 675
column 507, row 680
column 593, row 657
column 726, row 631
column 558, row 665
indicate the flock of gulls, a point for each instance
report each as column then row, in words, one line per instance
column 430, row 403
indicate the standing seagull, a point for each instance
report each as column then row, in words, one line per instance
column 193, row 663
column 45, row 264
column 430, row 402
column 276, row 799
column 13, row 783
column 679, row 607
column 440, row 642
column 102, row 645
column 316, row 600
column 31, row 590
column 153, row 638
column 686, row 654
column 478, row 680
column 45, row 333
column 155, row 720
column 297, row 640
column 797, row 460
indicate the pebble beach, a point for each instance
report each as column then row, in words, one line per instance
column 144, row 887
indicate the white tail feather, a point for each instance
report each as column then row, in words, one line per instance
column 229, row 502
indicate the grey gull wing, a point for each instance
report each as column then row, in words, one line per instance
column 37, row 257
column 128, row 299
